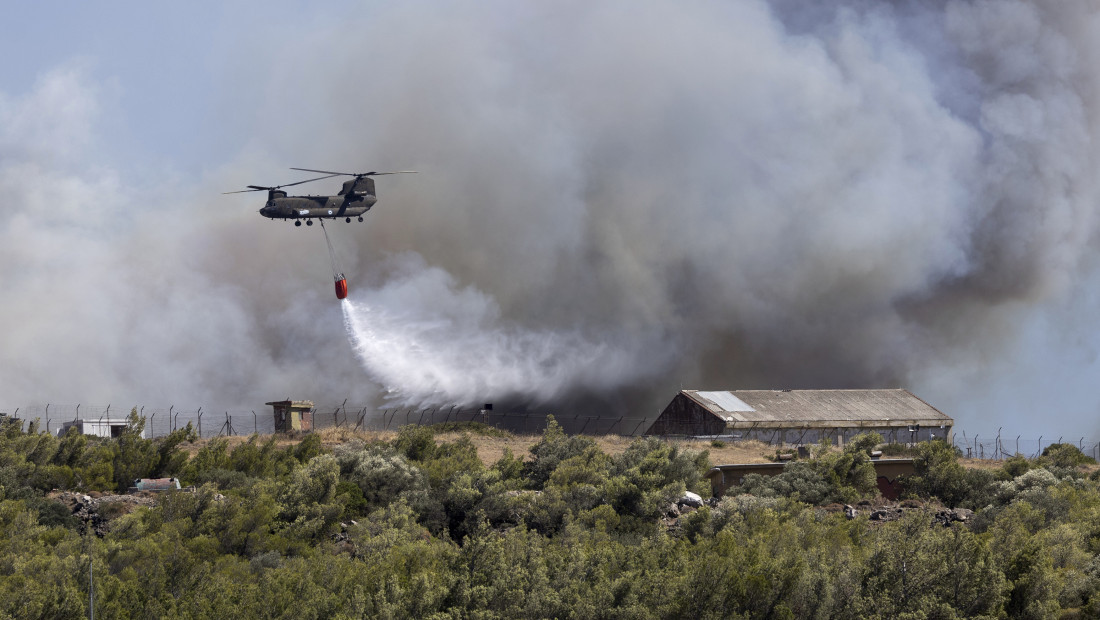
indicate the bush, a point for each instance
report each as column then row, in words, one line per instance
column 380, row 473
column 551, row 450
column 1064, row 455
column 938, row 474
column 1015, row 465
column 833, row 476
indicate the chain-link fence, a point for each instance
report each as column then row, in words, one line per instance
column 997, row 446
column 212, row 422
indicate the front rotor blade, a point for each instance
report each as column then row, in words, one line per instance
column 241, row 191
column 310, row 180
column 355, row 174
column 329, row 172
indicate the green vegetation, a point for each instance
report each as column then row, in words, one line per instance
column 416, row 528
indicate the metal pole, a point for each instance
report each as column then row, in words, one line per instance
column 1040, row 447
column 171, row 420
column 255, row 424
column 200, row 422
column 151, row 418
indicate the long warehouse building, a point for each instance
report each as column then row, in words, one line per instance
column 802, row 416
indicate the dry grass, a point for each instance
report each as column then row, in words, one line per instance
column 491, row 448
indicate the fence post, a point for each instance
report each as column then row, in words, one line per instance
column 615, row 424
column 1040, row 451
column 171, row 420
column 152, row 433
column 255, row 424
column 200, row 422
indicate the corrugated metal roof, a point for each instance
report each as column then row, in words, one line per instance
column 726, row 401
column 815, row 407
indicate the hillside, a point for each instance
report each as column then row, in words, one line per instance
column 473, row 522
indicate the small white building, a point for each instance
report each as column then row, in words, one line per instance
column 104, row 427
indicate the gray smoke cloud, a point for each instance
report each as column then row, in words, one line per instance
column 616, row 200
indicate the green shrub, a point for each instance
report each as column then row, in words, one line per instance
column 553, row 448
column 379, row 472
column 1064, row 455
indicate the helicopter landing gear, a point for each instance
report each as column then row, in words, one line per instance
column 347, row 219
column 297, row 222
column 360, row 218
column 309, row 222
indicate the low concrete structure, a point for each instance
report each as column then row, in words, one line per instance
column 155, row 484
column 293, row 415
column 724, row 477
column 802, row 416
column 102, row 427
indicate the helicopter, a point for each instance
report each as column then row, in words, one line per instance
column 356, row 197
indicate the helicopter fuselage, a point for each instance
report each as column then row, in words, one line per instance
column 308, row 207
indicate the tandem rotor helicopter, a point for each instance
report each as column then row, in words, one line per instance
column 356, row 197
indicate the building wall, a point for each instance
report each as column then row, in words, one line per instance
column 839, row 435
column 104, row 428
column 887, row 471
column 289, row 419
column 684, row 416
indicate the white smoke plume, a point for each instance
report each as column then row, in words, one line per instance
column 616, row 199
column 428, row 342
